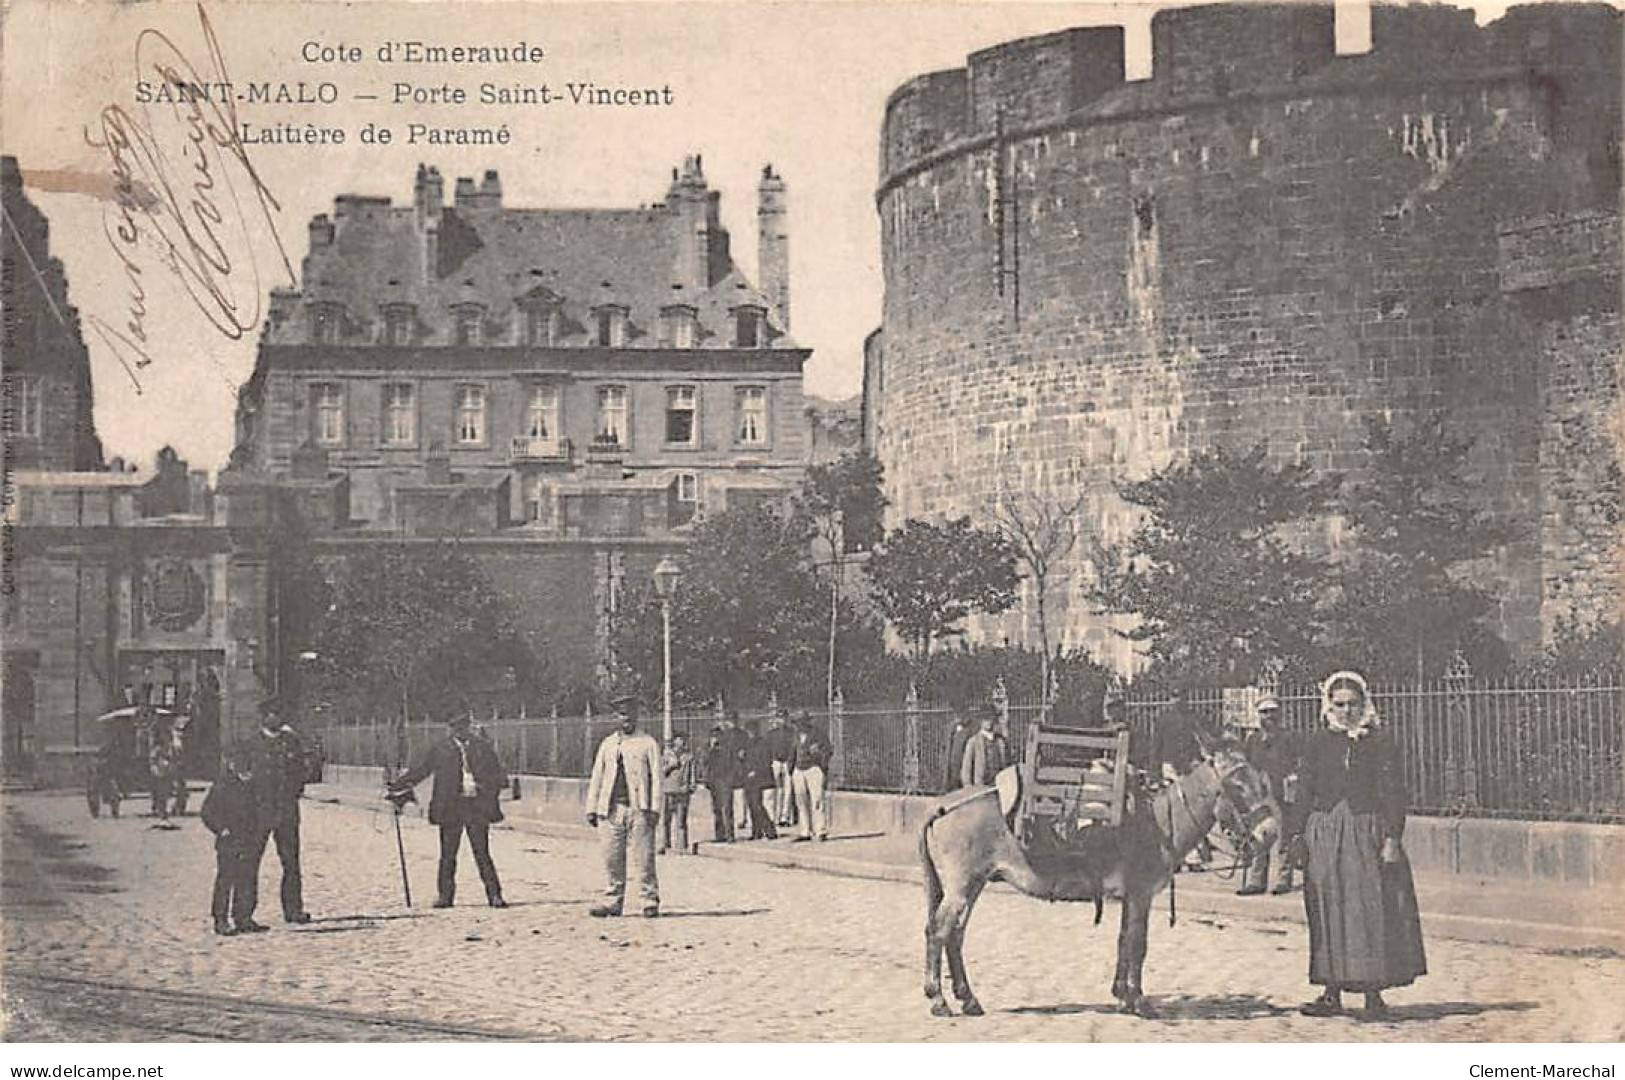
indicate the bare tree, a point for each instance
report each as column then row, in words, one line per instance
column 1042, row 532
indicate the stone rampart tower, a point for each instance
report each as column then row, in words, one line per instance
column 1088, row 278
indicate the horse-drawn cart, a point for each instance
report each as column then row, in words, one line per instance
column 141, row 750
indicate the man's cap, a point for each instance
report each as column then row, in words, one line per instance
column 985, row 709
column 624, row 698
column 1267, row 703
column 269, row 704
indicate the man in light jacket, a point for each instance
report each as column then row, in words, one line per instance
column 625, row 795
column 985, row 752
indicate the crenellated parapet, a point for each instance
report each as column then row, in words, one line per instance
column 1204, row 58
column 1224, row 48
column 1039, row 78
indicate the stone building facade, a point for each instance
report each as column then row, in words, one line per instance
column 1088, row 278
column 117, row 588
column 126, row 589
column 47, row 399
column 564, row 390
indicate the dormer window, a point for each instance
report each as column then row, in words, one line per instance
column 326, row 324
column 679, row 327
column 544, row 326
column 748, row 326
column 399, row 323
column 467, row 324
column 611, row 321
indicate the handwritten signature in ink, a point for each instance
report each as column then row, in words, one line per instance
column 186, row 190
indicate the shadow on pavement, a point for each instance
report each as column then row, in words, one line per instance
column 1179, row 1007
column 736, row 913
column 364, row 918
column 1438, row 1010
column 334, row 929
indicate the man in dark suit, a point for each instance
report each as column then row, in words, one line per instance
column 718, row 767
column 467, row 779
column 758, row 768
column 279, row 774
column 960, row 734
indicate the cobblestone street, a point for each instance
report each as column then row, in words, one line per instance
column 107, row 937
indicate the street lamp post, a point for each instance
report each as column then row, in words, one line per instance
column 666, row 574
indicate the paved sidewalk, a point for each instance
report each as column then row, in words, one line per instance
column 1453, row 906
column 1462, row 908
column 107, row 937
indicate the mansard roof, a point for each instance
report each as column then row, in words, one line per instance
column 371, row 254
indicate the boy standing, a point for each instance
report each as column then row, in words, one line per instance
column 230, row 813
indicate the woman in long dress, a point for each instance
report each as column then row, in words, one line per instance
column 1365, row 934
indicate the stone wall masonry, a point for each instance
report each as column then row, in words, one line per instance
column 1194, row 264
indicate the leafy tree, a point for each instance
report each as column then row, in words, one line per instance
column 418, row 628
column 748, row 615
column 844, row 502
column 928, row 578
column 1210, row 574
column 1405, row 605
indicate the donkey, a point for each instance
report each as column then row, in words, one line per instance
column 968, row 843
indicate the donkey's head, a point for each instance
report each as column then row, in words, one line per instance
column 1246, row 808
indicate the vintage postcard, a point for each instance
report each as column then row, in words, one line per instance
column 813, row 522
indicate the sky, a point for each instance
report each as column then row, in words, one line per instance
column 799, row 85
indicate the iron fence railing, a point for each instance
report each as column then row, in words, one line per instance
column 1547, row 751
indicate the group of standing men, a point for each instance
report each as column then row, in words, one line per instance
column 255, row 802
column 764, row 781
column 634, row 785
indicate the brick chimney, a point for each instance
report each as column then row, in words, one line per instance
column 773, row 245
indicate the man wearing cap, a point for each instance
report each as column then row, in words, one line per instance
column 985, row 753
column 1271, row 750
column 468, row 776
column 277, row 764
column 625, row 795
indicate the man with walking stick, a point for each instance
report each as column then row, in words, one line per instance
column 467, row 779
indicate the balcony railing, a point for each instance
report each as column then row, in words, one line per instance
column 600, row 450
column 525, row 448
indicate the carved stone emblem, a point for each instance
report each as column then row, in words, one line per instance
column 174, row 595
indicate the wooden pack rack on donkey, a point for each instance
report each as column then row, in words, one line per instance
column 1072, row 792
column 1074, row 783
